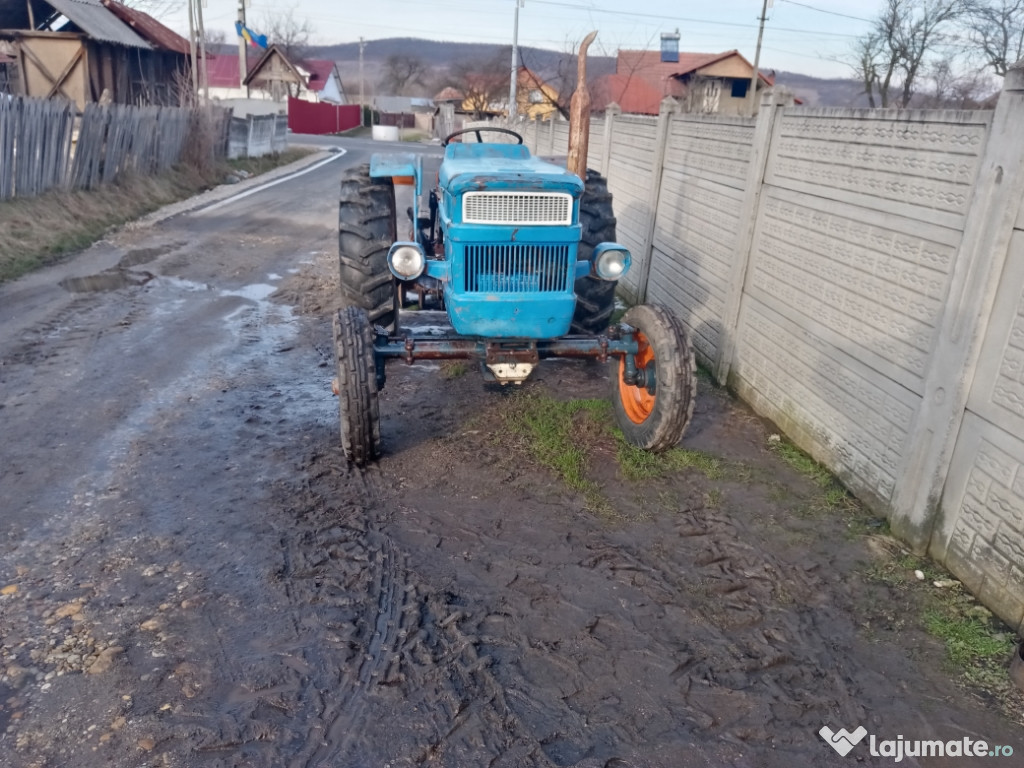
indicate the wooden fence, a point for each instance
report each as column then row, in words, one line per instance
column 39, row 150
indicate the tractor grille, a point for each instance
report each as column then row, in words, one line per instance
column 515, row 208
column 517, row 268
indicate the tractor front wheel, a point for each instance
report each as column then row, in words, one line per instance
column 654, row 412
column 356, row 386
column 366, row 230
column 595, row 299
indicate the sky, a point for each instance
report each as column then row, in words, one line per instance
column 811, row 36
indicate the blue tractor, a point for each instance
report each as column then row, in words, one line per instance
column 521, row 254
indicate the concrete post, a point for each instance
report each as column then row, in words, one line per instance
column 551, row 137
column 668, row 108
column 980, row 258
column 611, row 112
column 773, row 102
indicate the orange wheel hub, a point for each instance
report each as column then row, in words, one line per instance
column 637, row 402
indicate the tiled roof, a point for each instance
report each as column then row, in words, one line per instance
column 319, row 72
column 448, row 94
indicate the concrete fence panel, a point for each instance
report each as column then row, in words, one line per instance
column 859, row 222
column 631, row 173
column 697, row 226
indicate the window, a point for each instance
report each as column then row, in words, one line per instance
column 739, row 88
column 536, row 96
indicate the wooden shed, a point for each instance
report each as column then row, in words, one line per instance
column 82, row 51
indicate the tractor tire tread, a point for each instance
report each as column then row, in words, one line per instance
column 358, row 405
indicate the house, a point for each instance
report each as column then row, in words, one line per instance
column 486, row 95
column 272, row 77
column 536, row 99
column 84, row 50
column 716, row 83
column 405, row 112
column 323, row 81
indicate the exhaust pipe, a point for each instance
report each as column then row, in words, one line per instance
column 579, row 114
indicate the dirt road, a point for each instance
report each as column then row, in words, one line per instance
column 192, row 575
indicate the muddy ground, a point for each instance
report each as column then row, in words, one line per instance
column 193, row 576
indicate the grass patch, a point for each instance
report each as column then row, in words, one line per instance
column 559, row 434
column 638, row 464
column 801, row 462
column 39, row 231
column 454, row 369
column 552, row 429
column 258, row 165
column 977, row 644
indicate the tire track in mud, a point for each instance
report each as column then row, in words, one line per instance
column 407, row 659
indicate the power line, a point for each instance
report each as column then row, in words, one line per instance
column 664, row 17
column 830, row 13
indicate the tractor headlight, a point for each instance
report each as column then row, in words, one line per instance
column 610, row 261
column 406, row 261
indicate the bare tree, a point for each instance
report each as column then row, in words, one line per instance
column 483, row 83
column 951, row 89
column 995, row 29
column 402, row 72
column 897, row 48
column 288, row 32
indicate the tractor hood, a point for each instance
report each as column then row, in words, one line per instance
column 492, row 167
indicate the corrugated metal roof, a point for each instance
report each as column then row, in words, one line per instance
column 148, row 27
column 99, row 23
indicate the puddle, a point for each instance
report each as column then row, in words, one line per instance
column 256, row 292
column 105, row 281
column 144, row 255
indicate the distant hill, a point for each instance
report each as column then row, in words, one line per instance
column 439, row 56
column 824, row 92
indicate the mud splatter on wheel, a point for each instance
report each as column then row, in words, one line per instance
column 366, row 230
column 654, row 413
column 356, row 386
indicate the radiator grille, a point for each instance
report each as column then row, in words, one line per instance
column 517, row 268
column 539, row 208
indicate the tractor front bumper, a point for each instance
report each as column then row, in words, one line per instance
column 506, row 360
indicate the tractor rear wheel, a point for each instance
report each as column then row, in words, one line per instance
column 595, row 299
column 654, row 414
column 366, row 230
column 356, row 386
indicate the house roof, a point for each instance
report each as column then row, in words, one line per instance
column 394, row 105
column 149, row 28
column 635, row 95
column 222, row 71
column 642, row 79
column 97, row 22
column 648, row 64
column 319, row 72
column 449, row 94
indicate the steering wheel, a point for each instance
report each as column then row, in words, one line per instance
column 477, row 131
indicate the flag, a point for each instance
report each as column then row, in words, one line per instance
column 256, row 41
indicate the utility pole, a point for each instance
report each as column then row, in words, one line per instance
column 243, row 66
column 752, row 95
column 362, row 101
column 192, row 49
column 203, row 78
column 512, row 105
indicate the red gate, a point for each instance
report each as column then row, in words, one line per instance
column 307, row 117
